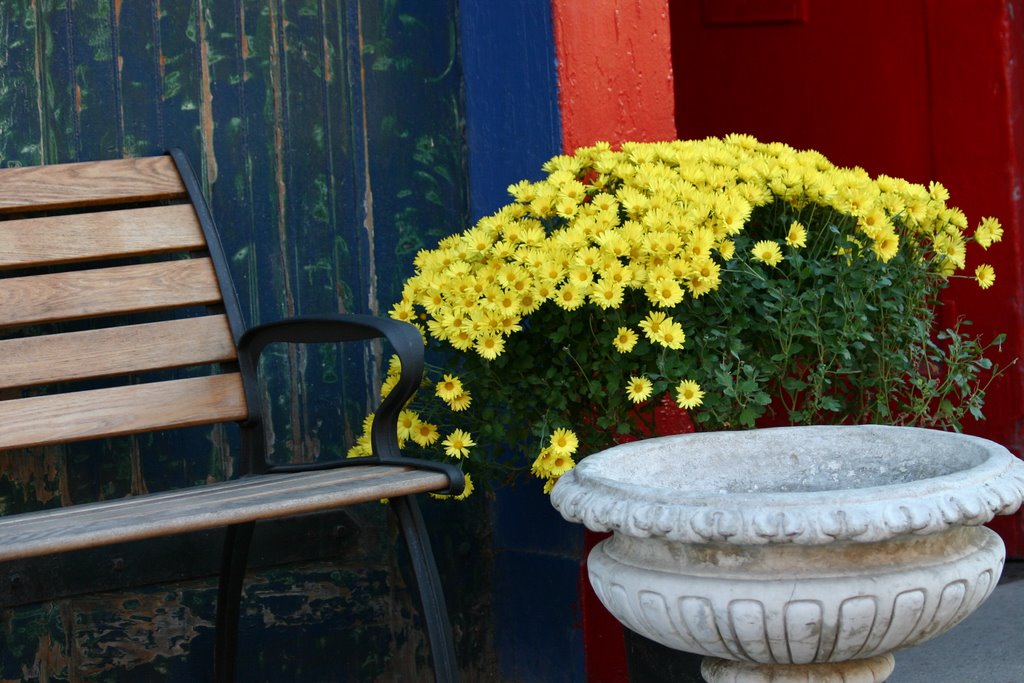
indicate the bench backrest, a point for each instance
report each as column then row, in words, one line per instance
column 104, row 241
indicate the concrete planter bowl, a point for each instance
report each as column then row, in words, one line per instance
column 797, row 553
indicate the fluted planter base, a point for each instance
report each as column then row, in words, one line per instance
column 873, row 670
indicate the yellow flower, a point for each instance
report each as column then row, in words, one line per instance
column 988, row 232
column 407, row 421
column 425, row 434
column 726, row 249
column 468, row 490
column 885, row 245
column 551, row 464
column 458, row 443
column 797, row 235
column 952, row 248
column 625, row 340
column 767, row 252
column 490, row 346
column 403, row 311
column 664, row 292
column 652, row 323
column 563, row 441
column 689, row 394
column 671, row 336
column 569, row 296
column 460, row 402
column 607, row 294
column 639, row 389
column 938, row 192
column 448, row 388
column 985, row 275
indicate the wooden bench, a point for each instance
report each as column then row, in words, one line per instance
column 107, row 240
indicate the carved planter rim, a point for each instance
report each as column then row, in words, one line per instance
column 805, row 485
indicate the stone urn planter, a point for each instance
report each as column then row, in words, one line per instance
column 796, row 553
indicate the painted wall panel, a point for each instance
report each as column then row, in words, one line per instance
column 329, row 137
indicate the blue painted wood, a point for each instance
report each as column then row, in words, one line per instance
column 512, row 117
column 513, row 127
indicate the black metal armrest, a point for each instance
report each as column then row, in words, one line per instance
column 407, row 343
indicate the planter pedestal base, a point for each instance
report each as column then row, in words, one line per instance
column 873, row 670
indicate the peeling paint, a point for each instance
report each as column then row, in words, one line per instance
column 309, row 161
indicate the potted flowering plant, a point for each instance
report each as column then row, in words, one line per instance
column 744, row 281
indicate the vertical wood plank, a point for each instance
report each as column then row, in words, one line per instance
column 97, row 104
column 56, row 100
column 138, row 76
column 19, row 84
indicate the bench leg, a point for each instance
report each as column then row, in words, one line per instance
column 435, row 612
column 229, row 600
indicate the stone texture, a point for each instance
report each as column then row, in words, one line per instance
column 799, row 553
column 805, row 485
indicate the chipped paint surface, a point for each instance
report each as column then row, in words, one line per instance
column 324, row 182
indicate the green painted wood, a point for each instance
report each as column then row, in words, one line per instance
column 328, row 136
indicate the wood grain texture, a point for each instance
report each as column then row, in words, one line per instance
column 89, row 183
column 110, row 351
column 106, row 291
column 101, row 234
column 97, row 413
column 207, row 507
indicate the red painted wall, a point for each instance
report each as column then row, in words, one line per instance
column 614, row 71
column 615, row 85
column 924, row 90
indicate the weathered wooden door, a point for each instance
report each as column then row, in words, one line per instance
column 329, row 137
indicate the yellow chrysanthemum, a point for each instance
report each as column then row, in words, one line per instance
column 767, row 252
column 407, row 422
column 689, row 394
column 460, row 402
column 425, row 434
column 550, row 464
column 797, row 235
column 570, row 297
column 985, row 275
column 639, row 389
column 671, row 335
column 885, row 244
column 458, row 443
column 448, row 388
column 625, row 339
column 988, row 232
column 563, row 441
column 652, row 322
column 490, row 346
column 607, row 294
column 664, row 292
column 726, row 249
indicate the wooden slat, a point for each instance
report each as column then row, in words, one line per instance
column 107, row 291
column 115, row 351
column 99, row 234
column 89, row 183
column 97, row 413
column 206, row 507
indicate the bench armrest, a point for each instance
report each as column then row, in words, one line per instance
column 407, row 343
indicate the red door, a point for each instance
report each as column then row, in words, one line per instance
column 927, row 90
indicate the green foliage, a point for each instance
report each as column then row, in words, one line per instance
column 753, row 283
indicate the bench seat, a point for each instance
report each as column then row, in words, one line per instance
column 210, row 506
